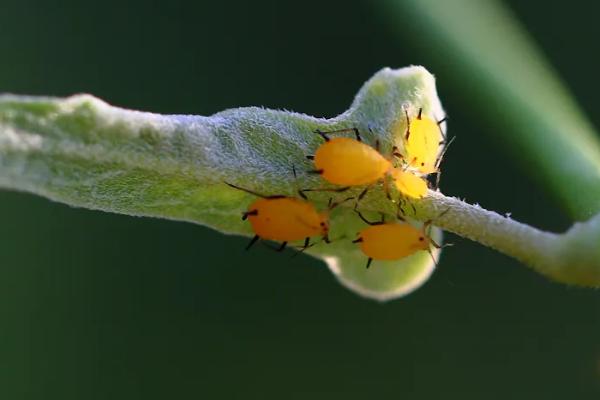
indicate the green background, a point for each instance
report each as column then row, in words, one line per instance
column 102, row 306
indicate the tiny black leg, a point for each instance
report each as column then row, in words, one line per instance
column 400, row 211
column 326, row 239
column 306, row 243
column 420, row 113
column 246, row 214
column 369, row 262
column 377, row 145
column 366, row 221
column 311, row 157
column 322, row 134
column 316, row 171
column 282, row 247
column 360, row 196
column 407, row 125
column 254, row 240
column 357, row 134
column 359, row 240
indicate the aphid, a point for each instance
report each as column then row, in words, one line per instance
column 422, row 143
column 285, row 219
column 350, row 162
column 393, row 240
column 408, row 183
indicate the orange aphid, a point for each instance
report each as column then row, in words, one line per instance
column 285, row 219
column 349, row 162
column 392, row 240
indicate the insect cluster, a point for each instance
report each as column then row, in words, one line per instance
column 348, row 162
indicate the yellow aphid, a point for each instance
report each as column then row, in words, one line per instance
column 285, row 219
column 349, row 162
column 409, row 184
column 422, row 143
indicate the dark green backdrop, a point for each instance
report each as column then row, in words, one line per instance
column 102, row 306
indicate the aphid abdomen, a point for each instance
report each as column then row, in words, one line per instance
column 391, row 241
column 348, row 162
column 409, row 184
column 423, row 145
column 285, row 219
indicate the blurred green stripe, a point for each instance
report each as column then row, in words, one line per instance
column 486, row 53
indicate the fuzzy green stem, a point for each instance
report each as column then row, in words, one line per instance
column 572, row 257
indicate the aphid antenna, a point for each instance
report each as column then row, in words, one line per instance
column 443, row 153
column 272, row 197
column 324, row 134
column 433, row 258
column 247, row 190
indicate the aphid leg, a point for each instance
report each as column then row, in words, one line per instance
column 307, row 244
column 254, row 240
column 366, row 220
column 377, row 145
column 282, row 247
column 420, row 113
column 310, row 157
column 361, row 196
column 246, row 214
column 439, row 124
column 302, row 192
column 326, row 238
column 438, row 161
column 331, row 205
column 407, row 135
column 386, row 187
column 369, row 261
column 316, row 171
column 400, row 210
column 322, row 134
column 359, row 240
column 413, row 207
column 427, row 224
column 396, row 153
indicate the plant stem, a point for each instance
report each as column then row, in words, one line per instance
column 570, row 257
